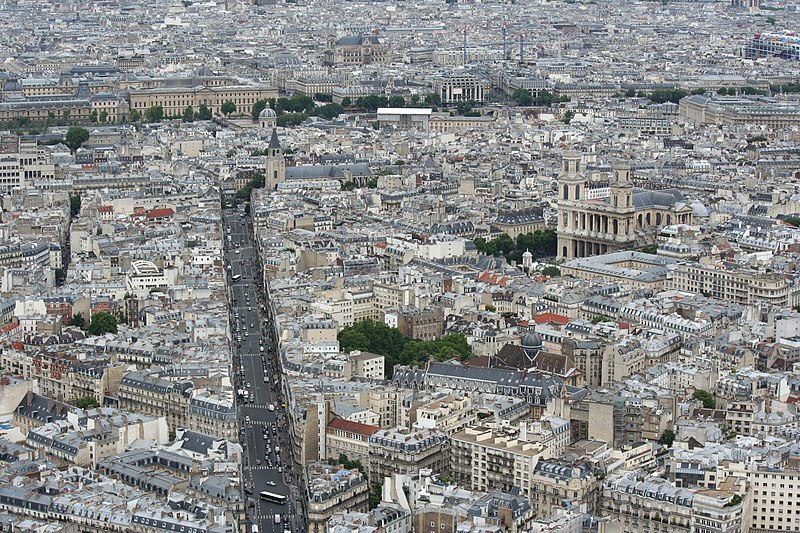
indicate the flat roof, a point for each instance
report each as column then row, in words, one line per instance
column 403, row 111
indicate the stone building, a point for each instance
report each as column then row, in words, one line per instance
column 597, row 218
column 357, row 50
column 400, row 451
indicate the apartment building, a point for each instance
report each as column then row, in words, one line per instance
column 144, row 392
column 744, row 286
column 333, row 489
column 401, row 451
column 448, row 415
column 23, row 163
column 348, row 438
column 657, row 505
column 483, row 457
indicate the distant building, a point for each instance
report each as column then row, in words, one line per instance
column 400, row 451
column 461, row 87
column 357, row 50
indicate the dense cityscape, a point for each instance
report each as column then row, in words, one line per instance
column 429, row 266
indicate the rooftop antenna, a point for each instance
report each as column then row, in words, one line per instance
column 521, row 47
column 505, row 42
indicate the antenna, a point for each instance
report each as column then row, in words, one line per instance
column 521, row 47
column 505, row 42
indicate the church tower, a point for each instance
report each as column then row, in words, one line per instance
column 571, row 183
column 276, row 163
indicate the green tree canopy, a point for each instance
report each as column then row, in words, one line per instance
column 102, row 323
column 667, row 438
column 376, row 337
column 136, row 116
column 75, row 137
column 74, row 204
column 329, row 111
column 203, row 112
column 542, row 243
column 258, row 107
column 522, row 97
column 706, row 397
column 78, row 321
column 87, row 402
column 551, row 271
column 188, row 114
column 227, row 107
column 154, row 114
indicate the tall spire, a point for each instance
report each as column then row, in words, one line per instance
column 274, row 142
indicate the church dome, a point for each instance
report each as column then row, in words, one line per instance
column 268, row 112
column 698, row 209
column 531, row 340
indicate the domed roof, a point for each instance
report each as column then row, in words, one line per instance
column 268, row 112
column 698, row 209
column 285, row 59
column 531, row 340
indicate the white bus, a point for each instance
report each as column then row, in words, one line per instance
column 272, row 497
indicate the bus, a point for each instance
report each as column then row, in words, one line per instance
column 272, row 497
column 236, row 277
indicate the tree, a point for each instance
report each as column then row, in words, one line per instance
column 87, row 402
column 227, row 107
column 323, row 97
column 551, row 271
column 74, row 205
column 188, row 114
column 78, row 321
column 103, row 116
column 522, row 97
column 433, row 100
column 630, row 93
column 203, row 112
column 347, row 463
column 375, row 495
column 154, row 114
column 652, row 249
column 102, row 323
column 601, row 318
column 136, row 116
column 93, row 116
column 346, row 102
column 667, row 438
column 397, row 101
column 329, row 111
column 705, row 397
column 75, row 137
column 258, row 107
column 568, row 116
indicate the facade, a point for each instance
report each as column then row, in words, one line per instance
column 348, row 438
column 769, row 44
column 174, row 101
column 357, row 50
column 22, row 163
column 657, row 505
column 519, row 222
column 462, row 87
column 739, row 110
column 400, row 451
column 596, row 219
column 425, row 324
column 735, row 284
column 331, row 490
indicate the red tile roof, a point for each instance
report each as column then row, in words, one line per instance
column 551, row 318
column 352, row 427
column 160, row 213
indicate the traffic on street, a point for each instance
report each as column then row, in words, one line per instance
column 268, row 478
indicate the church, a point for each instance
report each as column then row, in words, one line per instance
column 597, row 217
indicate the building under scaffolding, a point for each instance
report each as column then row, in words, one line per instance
column 784, row 46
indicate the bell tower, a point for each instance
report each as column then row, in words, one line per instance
column 276, row 163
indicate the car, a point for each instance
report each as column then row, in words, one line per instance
column 280, row 469
column 271, row 483
column 247, row 418
column 258, row 462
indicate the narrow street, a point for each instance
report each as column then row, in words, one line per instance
column 267, row 466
